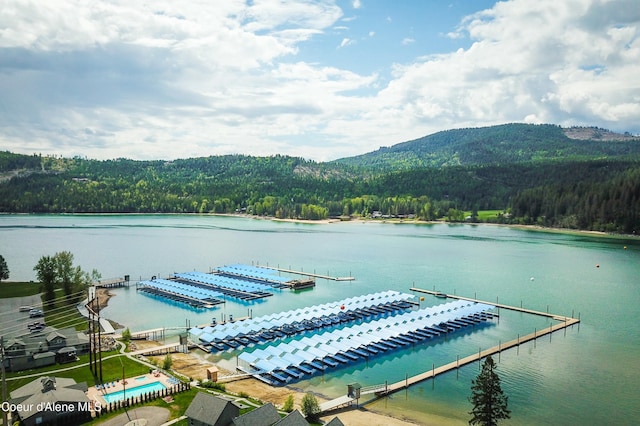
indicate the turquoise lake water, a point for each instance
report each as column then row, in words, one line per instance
column 587, row 375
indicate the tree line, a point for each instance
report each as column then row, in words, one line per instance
column 581, row 194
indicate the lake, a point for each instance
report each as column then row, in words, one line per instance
column 587, row 374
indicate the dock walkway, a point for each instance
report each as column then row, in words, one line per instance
column 309, row 274
column 564, row 322
column 113, row 282
column 158, row 350
column 334, row 404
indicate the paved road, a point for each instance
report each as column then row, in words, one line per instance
column 141, row 416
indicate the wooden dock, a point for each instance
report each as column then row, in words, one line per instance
column 334, row 404
column 152, row 334
column 563, row 322
column 113, row 282
column 309, row 274
column 160, row 350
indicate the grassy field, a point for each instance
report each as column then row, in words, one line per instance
column 18, row 289
column 64, row 314
column 484, row 215
column 112, row 369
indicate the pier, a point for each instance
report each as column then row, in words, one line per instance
column 113, row 282
column 563, row 322
column 161, row 350
column 153, row 334
column 309, row 274
column 385, row 389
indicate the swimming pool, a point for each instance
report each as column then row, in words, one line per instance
column 133, row 392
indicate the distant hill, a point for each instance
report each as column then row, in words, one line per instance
column 580, row 178
column 498, row 145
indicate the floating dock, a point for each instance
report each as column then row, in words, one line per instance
column 563, row 322
column 309, row 274
column 275, row 326
column 293, row 360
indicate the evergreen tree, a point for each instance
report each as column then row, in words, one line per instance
column 489, row 402
column 4, row 269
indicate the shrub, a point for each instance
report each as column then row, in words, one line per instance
column 288, row 404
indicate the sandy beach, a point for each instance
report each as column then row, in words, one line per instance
column 194, row 365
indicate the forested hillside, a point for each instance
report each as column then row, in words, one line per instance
column 533, row 174
column 504, row 144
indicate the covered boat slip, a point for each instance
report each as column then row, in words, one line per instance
column 233, row 287
column 286, row 361
column 202, row 290
column 266, row 275
column 180, row 292
column 281, row 324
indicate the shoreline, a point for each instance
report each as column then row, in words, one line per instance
column 390, row 221
column 193, row 365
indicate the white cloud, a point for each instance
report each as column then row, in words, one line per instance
column 408, row 40
column 529, row 61
column 189, row 78
column 357, row 4
column 346, row 42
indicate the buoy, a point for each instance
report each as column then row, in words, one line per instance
column 342, row 307
column 532, row 279
column 625, row 247
column 597, row 265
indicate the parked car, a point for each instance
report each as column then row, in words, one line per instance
column 34, row 313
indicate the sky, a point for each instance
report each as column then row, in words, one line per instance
column 318, row 79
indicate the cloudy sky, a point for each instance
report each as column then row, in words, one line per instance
column 320, row 79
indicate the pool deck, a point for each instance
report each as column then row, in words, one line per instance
column 131, row 382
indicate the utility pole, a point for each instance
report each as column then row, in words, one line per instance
column 4, row 381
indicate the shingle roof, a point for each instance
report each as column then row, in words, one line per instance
column 210, row 409
column 266, row 415
column 31, row 396
column 294, row 418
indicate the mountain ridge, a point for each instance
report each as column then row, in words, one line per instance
column 501, row 144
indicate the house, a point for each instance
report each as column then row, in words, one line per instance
column 50, row 401
column 15, row 347
column 334, row 422
column 45, row 347
column 56, row 341
column 294, row 418
column 66, row 354
column 44, row 359
column 266, row 415
column 210, row 410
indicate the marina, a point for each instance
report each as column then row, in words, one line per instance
column 206, row 290
column 385, row 389
column 315, row 352
column 458, row 259
column 220, row 337
column 563, row 323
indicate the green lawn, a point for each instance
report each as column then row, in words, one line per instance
column 58, row 317
column 111, row 370
column 483, row 215
column 18, row 289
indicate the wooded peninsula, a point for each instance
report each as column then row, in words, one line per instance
column 575, row 178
